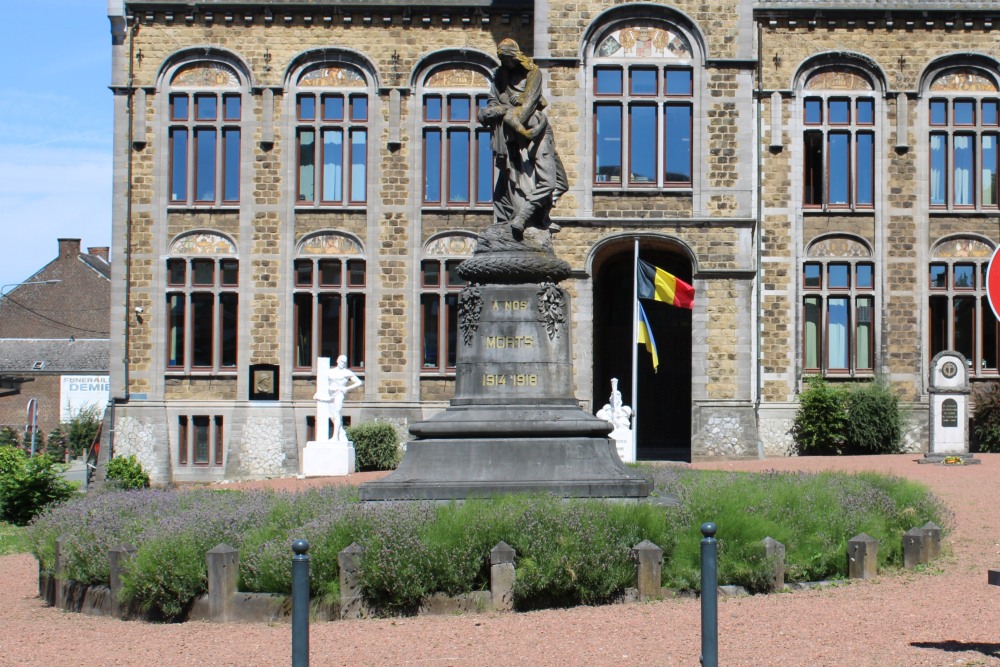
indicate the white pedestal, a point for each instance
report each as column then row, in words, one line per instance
column 327, row 459
column 623, row 442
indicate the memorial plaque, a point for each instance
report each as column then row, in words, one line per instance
column 949, row 413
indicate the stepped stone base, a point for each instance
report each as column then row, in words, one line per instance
column 514, row 425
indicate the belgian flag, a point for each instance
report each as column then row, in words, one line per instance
column 656, row 284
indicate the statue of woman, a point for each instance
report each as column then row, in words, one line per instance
column 532, row 177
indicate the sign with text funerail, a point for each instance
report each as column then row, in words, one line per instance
column 81, row 391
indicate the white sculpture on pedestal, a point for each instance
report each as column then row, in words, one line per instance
column 620, row 417
column 326, row 455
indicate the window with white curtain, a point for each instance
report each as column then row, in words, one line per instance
column 838, row 118
column 963, row 118
column 838, row 302
column 332, row 135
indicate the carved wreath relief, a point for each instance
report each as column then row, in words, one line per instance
column 551, row 308
column 470, row 305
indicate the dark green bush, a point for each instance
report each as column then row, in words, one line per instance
column 9, row 437
column 127, row 473
column 874, row 421
column 29, row 484
column 986, row 416
column 376, row 446
column 820, row 419
column 848, row 419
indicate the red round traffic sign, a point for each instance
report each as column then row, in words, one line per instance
column 993, row 283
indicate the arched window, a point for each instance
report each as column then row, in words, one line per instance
column 332, row 128
column 838, row 140
column 203, row 277
column 838, row 286
column 960, row 315
column 205, row 120
column 329, row 300
column 440, row 286
column 458, row 159
column 643, row 84
column 963, row 118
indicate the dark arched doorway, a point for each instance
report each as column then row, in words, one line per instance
column 664, row 410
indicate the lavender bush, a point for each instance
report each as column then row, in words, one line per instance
column 568, row 552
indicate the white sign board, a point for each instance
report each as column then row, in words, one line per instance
column 81, row 391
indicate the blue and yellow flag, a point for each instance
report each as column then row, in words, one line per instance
column 646, row 337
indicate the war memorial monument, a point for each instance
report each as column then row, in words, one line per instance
column 514, row 424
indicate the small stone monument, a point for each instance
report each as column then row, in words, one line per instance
column 620, row 418
column 327, row 455
column 949, row 409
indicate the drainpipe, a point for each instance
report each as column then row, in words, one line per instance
column 130, row 110
column 760, row 232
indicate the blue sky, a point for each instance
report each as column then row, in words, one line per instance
column 55, row 130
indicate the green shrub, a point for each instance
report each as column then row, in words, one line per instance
column 874, row 421
column 127, row 473
column 9, row 437
column 82, row 429
column 853, row 419
column 29, row 484
column 376, row 446
column 166, row 575
column 813, row 515
column 57, row 444
column 820, row 419
column 986, row 416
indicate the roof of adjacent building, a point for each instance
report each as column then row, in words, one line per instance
column 63, row 355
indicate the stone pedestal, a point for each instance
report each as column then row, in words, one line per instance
column 328, row 459
column 514, row 424
column 949, row 408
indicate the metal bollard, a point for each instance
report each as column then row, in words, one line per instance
column 709, row 596
column 300, row 604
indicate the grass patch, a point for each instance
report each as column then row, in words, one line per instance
column 13, row 539
column 568, row 551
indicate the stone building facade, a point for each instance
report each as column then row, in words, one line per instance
column 297, row 178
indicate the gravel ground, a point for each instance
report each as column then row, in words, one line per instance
column 947, row 615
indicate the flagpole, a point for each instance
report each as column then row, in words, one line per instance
column 635, row 347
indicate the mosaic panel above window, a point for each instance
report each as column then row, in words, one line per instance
column 964, row 80
column 456, row 78
column 838, row 79
column 638, row 41
column 455, row 244
column 337, row 76
column 203, row 244
column 963, row 248
column 205, row 75
column 330, row 244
